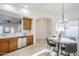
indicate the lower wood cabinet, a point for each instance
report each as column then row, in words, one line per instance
column 29, row 40
column 12, row 44
column 3, row 46
column 8, row 45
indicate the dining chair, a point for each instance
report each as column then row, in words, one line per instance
column 71, row 48
column 63, row 46
column 50, row 44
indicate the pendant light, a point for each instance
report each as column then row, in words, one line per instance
column 63, row 13
column 61, row 31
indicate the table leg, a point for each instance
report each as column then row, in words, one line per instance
column 58, row 49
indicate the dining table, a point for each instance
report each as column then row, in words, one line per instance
column 60, row 41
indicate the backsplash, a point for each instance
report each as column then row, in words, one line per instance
column 27, row 32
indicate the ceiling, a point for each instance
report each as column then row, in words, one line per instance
column 53, row 10
column 4, row 19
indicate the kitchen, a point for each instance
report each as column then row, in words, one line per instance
column 12, row 35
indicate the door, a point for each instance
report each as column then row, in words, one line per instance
column 41, row 29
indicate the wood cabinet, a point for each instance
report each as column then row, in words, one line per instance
column 27, row 22
column 3, row 46
column 29, row 40
column 12, row 44
column 8, row 45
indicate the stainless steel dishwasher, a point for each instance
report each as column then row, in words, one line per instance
column 21, row 42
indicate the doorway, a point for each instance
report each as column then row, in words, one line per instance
column 41, row 29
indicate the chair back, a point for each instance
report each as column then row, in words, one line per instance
column 47, row 41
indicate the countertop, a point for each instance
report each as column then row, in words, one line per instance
column 13, row 35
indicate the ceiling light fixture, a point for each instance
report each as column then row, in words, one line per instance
column 8, row 6
column 26, row 6
column 24, row 10
column 41, row 19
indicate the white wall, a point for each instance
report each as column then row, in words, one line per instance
column 33, row 31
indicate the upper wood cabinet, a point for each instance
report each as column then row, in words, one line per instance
column 3, row 46
column 27, row 23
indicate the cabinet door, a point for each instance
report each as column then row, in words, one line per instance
column 27, row 23
column 29, row 40
column 3, row 46
column 12, row 44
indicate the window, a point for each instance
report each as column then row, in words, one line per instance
column 12, row 29
column 7, row 30
column 72, row 28
column 59, row 26
column 1, row 29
